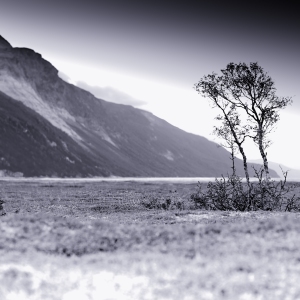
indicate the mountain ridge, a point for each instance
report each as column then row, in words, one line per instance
column 107, row 139
column 4, row 43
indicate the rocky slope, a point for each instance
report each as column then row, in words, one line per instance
column 52, row 128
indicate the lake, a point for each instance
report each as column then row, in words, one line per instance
column 125, row 179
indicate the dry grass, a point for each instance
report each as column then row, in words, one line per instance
column 97, row 241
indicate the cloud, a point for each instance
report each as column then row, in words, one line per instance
column 110, row 94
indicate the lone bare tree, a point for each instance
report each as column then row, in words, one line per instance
column 247, row 98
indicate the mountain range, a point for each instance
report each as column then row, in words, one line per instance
column 51, row 128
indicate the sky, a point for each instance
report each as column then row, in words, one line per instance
column 149, row 54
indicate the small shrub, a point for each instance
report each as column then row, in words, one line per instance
column 270, row 195
column 231, row 194
column 2, row 212
column 223, row 194
column 152, row 203
column 168, row 204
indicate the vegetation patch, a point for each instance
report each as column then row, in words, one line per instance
column 58, row 245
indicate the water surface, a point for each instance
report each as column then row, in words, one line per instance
column 124, row 179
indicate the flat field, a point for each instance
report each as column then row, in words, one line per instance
column 104, row 240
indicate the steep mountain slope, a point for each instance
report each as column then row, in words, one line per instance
column 30, row 144
column 92, row 137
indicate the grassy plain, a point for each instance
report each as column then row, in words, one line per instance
column 97, row 240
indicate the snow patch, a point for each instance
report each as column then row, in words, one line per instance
column 168, row 155
column 69, row 160
column 22, row 91
column 53, row 144
column 107, row 138
column 101, row 131
column 64, row 145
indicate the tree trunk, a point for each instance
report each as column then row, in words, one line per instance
column 245, row 166
column 233, row 161
column 262, row 152
column 247, row 175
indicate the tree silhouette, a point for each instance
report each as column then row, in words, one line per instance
column 247, row 98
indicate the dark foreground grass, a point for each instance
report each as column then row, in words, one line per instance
column 82, row 242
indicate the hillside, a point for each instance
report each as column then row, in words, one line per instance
column 93, row 137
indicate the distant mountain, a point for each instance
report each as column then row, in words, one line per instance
column 49, row 127
column 292, row 173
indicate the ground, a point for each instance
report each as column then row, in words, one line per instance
column 104, row 240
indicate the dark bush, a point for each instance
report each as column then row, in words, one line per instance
column 168, row 204
column 231, row 194
column 2, row 212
